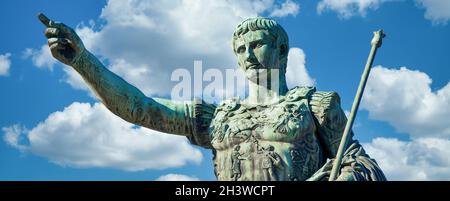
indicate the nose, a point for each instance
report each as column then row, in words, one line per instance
column 249, row 55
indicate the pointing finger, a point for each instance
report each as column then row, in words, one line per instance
column 44, row 19
column 58, row 29
column 52, row 24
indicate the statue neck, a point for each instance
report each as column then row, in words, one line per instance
column 267, row 92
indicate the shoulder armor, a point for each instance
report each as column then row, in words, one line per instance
column 297, row 93
column 322, row 101
column 228, row 105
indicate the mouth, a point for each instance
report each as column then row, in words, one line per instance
column 253, row 66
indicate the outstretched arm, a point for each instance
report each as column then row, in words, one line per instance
column 331, row 120
column 120, row 97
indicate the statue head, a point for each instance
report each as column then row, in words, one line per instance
column 260, row 44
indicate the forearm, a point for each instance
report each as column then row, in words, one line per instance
column 116, row 94
column 130, row 104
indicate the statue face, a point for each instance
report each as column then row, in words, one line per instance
column 257, row 52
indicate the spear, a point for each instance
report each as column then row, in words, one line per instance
column 376, row 43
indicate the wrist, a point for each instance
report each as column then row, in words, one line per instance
column 80, row 58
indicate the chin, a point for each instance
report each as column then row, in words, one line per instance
column 255, row 74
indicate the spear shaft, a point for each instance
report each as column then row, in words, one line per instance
column 375, row 43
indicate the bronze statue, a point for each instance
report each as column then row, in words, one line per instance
column 285, row 134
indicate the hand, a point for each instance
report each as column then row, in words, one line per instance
column 64, row 43
column 323, row 174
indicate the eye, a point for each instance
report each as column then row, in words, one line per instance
column 240, row 49
column 260, row 44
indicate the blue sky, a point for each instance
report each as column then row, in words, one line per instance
column 403, row 122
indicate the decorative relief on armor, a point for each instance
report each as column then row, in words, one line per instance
column 233, row 120
column 275, row 142
column 303, row 158
column 236, row 158
column 270, row 161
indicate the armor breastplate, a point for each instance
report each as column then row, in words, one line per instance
column 271, row 142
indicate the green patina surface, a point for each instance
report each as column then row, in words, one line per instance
column 274, row 134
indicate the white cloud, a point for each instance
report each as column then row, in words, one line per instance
column 74, row 79
column 91, row 136
column 287, row 8
column 403, row 98
column 146, row 41
column 176, row 177
column 349, row 8
column 137, row 77
column 438, row 11
column 12, row 136
column 297, row 74
column 41, row 58
column 5, row 64
column 87, row 35
column 419, row 159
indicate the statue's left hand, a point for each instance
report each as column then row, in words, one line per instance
column 324, row 173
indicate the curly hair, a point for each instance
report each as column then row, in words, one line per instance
column 272, row 27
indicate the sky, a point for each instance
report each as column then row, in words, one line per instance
column 53, row 127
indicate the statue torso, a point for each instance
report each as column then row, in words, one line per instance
column 276, row 142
